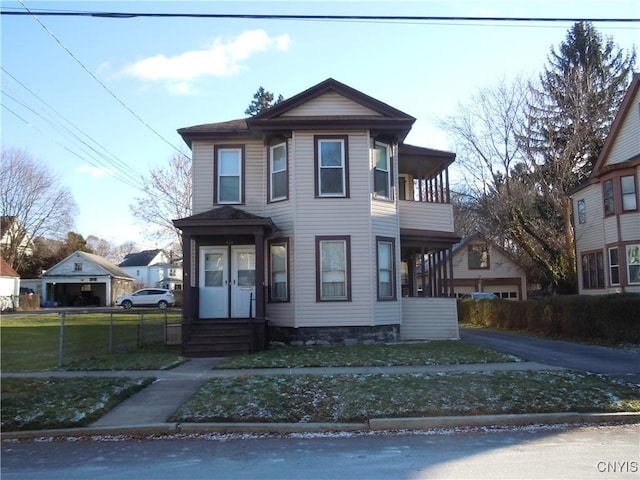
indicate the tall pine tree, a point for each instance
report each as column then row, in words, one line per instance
column 262, row 100
column 575, row 102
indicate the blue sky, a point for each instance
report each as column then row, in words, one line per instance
column 175, row 72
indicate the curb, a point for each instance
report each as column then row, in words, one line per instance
column 373, row 425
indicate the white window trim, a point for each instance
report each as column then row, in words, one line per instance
column 342, row 167
column 388, row 170
column 272, row 171
column 219, row 176
column 629, row 264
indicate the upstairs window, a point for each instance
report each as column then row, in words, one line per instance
column 278, row 186
column 229, row 175
column 582, row 211
column 332, row 167
column 381, row 171
column 607, row 195
column 628, row 188
column 77, row 267
column 478, row 256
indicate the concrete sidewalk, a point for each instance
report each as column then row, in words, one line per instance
column 148, row 411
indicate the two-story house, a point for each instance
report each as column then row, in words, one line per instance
column 153, row 268
column 606, row 215
column 308, row 222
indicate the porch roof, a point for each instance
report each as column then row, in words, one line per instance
column 225, row 216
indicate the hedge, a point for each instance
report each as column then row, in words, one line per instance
column 610, row 318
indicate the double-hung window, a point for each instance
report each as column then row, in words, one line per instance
column 381, row 171
column 278, row 185
column 614, row 266
column 333, row 276
column 628, row 189
column 278, row 271
column 332, row 166
column 607, row 195
column 229, row 175
column 633, row 264
column 386, row 270
column 592, row 270
column 478, row 256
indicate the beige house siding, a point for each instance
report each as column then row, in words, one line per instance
column 329, row 104
column 627, row 143
column 202, row 161
column 426, row 216
column 590, row 235
column 332, row 216
column 502, row 276
column 429, row 319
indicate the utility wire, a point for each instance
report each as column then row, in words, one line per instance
column 109, row 157
column 28, row 12
column 271, row 16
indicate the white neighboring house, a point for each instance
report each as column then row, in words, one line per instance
column 606, row 214
column 9, row 286
column 84, row 279
column 153, row 268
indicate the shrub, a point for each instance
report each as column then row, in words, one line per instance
column 610, row 318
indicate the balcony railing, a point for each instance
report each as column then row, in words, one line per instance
column 426, row 216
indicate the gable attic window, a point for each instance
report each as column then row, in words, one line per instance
column 228, row 173
column 331, row 166
column 77, row 267
column 582, row 211
column 478, row 256
column 278, row 185
column 381, row 171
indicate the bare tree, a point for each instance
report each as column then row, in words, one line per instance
column 113, row 253
column 166, row 196
column 33, row 202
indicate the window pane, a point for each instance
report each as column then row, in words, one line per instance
column 381, row 181
column 382, row 159
column 229, row 162
column 330, row 153
column 279, row 158
column 384, row 255
column 628, row 186
column 331, row 181
column 614, row 269
column 279, row 185
column 582, row 211
column 607, row 193
column 229, row 189
column 278, row 272
column 633, row 263
column 333, row 272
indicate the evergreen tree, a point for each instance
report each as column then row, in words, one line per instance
column 262, row 100
column 579, row 94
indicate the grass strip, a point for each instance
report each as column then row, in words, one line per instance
column 423, row 353
column 356, row 398
column 44, row 403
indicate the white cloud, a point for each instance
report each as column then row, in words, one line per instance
column 225, row 56
column 94, row 172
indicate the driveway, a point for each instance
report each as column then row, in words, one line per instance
column 609, row 361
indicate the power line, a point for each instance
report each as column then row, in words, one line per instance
column 84, row 67
column 271, row 16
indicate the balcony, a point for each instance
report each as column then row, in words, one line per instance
column 435, row 217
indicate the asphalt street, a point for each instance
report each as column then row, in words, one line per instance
column 614, row 362
column 521, row 453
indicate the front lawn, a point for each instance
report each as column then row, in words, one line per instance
column 356, row 398
column 44, row 403
column 445, row 352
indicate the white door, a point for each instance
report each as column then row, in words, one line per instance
column 243, row 282
column 214, row 282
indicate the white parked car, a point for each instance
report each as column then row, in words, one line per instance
column 146, row 297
